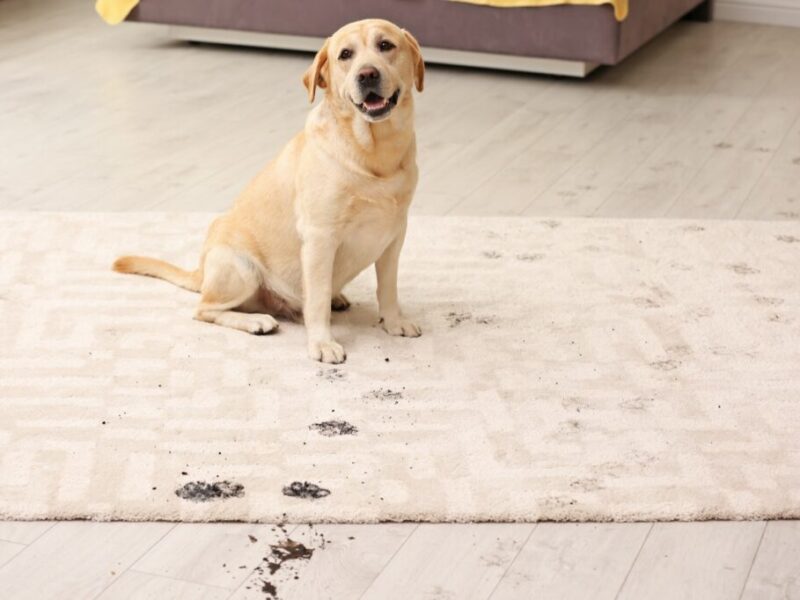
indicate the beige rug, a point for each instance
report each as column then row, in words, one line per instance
column 569, row 370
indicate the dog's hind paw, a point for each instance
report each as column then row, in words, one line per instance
column 260, row 324
column 340, row 303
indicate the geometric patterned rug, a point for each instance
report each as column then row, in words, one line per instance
column 612, row 370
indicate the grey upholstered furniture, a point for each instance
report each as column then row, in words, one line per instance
column 566, row 39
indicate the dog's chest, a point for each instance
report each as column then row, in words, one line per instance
column 372, row 228
column 374, row 219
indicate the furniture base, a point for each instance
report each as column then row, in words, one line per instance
column 505, row 62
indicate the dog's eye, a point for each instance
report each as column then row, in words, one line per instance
column 345, row 54
column 385, row 46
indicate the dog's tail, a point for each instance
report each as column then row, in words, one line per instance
column 153, row 267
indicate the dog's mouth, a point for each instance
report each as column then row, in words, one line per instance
column 375, row 106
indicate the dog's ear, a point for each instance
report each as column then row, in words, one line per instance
column 315, row 76
column 419, row 63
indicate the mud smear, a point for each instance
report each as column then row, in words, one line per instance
column 640, row 403
column 287, row 556
column 666, row 365
column 558, row 502
column 383, row 394
column 743, row 269
column 646, row 302
column 491, row 254
column 767, row 301
column 202, row 491
column 701, row 312
column 304, row 489
column 269, row 589
column 589, row 484
column 679, row 350
column 574, row 403
column 570, row 426
column 455, row 318
column 660, row 292
column 678, row 266
column 694, row 228
column 331, row 374
column 723, row 145
column 656, row 299
column 551, row 224
column 530, row 257
column 334, row 428
column 788, row 239
column 285, row 551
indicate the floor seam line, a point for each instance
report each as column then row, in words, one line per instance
column 633, row 562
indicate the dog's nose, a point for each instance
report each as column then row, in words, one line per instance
column 369, row 76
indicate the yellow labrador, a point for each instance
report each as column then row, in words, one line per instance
column 333, row 202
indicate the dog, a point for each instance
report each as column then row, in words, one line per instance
column 333, row 202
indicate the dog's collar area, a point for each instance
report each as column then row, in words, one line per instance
column 376, row 106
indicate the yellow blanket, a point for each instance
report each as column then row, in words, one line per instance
column 620, row 6
column 114, row 11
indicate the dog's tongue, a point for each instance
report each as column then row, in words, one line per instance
column 373, row 101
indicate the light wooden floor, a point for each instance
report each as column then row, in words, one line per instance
column 704, row 122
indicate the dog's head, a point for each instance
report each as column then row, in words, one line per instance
column 369, row 67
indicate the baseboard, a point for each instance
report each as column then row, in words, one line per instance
column 549, row 66
column 751, row 12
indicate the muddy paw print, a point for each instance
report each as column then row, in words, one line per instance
column 201, row 491
column 304, row 489
column 334, row 428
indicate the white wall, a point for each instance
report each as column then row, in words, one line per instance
column 772, row 12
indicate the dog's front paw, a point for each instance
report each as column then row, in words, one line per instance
column 327, row 352
column 400, row 326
